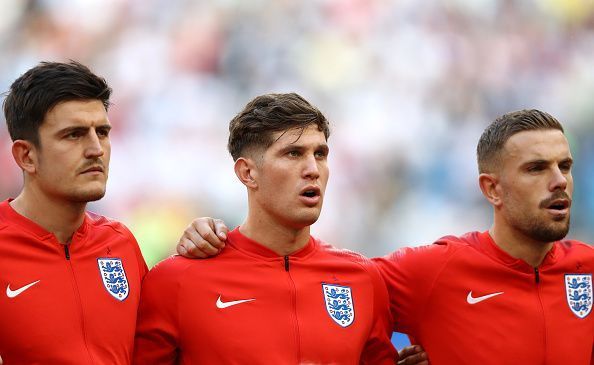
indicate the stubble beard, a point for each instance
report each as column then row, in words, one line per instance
column 87, row 195
column 541, row 231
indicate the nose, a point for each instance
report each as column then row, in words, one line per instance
column 559, row 180
column 311, row 169
column 94, row 147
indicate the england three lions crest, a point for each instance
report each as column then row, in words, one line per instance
column 339, row 304
column 578, row 288
column 114, row 277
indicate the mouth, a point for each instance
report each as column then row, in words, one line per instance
column 559, row 207
column 559, row 204
column 310, row 195
column 93, row 170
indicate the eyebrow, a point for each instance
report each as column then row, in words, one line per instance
column 294, row 146
column 69, row 130
column 541, row 162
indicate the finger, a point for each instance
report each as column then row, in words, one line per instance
column 220, row 229
column 417, row 359
column 206, row 231
column 412, row 355
column 186, row 248
column 181, row 250
column 191, row 250
column 409, row 350
column 413, row 360
column 199, row 243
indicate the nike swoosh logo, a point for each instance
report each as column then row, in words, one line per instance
column 221, row 304
column 14, row 293
column 471, row 300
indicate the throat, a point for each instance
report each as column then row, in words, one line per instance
column 531, row 251
column 281, row 240
column 62, row 220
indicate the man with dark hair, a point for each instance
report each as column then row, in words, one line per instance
column 515, row 294
column 275, row 295
column 72, row 278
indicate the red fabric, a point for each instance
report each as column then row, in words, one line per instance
column 68, row 317
column 529, row 323
column 286, row 323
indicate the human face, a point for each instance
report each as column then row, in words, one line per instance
column 537, row 185
column 73, row 155
column 291, row 178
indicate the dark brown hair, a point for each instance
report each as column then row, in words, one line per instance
column 41, row 88
column 497, row 133
column 266, row 114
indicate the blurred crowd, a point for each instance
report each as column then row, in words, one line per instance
column 408, row 86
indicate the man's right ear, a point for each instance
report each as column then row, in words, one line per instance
column 490, row 186
column 246, row 171
column 25, row 155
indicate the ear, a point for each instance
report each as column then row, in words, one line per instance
column 489, row 184
column 247, row 172
column 25, row 155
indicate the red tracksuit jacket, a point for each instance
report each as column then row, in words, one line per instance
column 320, row 305
column 468, row 302
column 67, row 305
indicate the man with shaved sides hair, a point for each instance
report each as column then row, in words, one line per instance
column 518, row 293
column 275, row 295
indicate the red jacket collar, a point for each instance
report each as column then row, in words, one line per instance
column 484, row 242
column 245, row 244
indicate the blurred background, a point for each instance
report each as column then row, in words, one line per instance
column 408, row 86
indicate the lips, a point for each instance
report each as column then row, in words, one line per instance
column 310, row 195
column 93, row 169
column 557, row 205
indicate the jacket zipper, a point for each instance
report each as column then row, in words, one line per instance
column 542, row 311
column 79, row 300
column 294, row 305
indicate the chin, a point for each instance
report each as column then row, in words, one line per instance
column 551, row 233
column 87, row 196
column 304, row 220
column 308, row 221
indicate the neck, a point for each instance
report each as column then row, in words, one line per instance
column 60, row 218
column 278, row 238
column 519, row 245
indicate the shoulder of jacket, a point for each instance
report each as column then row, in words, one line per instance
column 344, row 253
column 171, row 267
column 577, row 245
column 97, row 220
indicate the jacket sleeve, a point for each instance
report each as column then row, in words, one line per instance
column 409, row 274
column 157, row 329
column 378, row 348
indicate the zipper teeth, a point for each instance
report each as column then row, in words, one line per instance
column 80, row 306
column 542, row 311
column 294, row 303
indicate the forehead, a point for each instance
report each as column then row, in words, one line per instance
column 548, row 144
column 298, row 136
column 76, row 112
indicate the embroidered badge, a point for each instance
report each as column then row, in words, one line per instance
column 578, row 288
column 114, row 277
column 339, row 304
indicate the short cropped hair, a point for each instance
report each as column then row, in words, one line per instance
column 266, row 114
column 44, row 86
column 497, row 133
